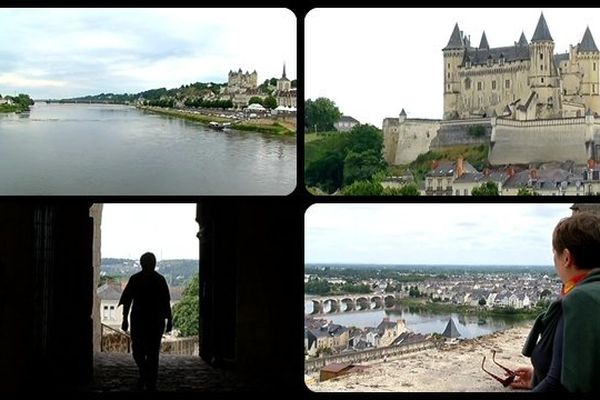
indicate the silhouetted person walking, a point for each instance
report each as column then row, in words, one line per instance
column 149, row 292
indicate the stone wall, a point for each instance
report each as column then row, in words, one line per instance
column 404, row 141
column 96, row 215
column 456, row 133
column 367, row 355
column 524, row 142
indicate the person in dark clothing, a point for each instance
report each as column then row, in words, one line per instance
column 149, row 292
column 563, row 344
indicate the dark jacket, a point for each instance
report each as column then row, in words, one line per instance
column 563, row 342
column 581, row 355
column 149, row 293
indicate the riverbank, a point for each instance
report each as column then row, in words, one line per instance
column 451, row 368
column 438, row 307
column 262, row 126
column 10, row 108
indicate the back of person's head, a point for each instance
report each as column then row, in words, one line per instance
column 148, row 262
column 580, row 233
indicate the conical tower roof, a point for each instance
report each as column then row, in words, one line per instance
column 456, row 41
column 484, row 43
column 403, row 113
column 523, row 40
column 451, row 330
column 542, row 33
column 587, row 43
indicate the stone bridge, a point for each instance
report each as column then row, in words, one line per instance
column 351, row 302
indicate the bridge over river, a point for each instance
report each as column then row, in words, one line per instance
column 353, row 302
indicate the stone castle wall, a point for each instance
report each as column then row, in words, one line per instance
column 523, row 142
column 457, row 133
column 404, row 141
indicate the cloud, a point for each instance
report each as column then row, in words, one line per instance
column 20, row 81
column 131, row 50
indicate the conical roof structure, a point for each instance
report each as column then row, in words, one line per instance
column 542, row 33
column 484, row 42
column 587, row 43
column 451, row 330
column 456, row 41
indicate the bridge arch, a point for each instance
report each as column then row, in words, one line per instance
column 349, row 305
column 376, row 303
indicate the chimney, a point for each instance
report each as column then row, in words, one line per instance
column 510, row 171
column 460, row 169
column 591, row 164
column 435, row 164
column 487, row 172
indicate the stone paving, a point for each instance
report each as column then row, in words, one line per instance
column 117, row 372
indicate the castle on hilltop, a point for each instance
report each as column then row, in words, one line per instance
column 523, row 81
column 523, row 101
column 241, row 81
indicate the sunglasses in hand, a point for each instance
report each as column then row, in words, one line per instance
column 504, row 381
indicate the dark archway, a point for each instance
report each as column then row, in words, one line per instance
column 46, row 270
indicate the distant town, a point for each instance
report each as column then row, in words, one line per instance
column 241, row 103
column 510, row 291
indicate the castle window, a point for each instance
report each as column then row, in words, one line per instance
column 541, row 56
column 479, row 85
column 594, row 66
column 542, row 80
column 507, row 84
column 448, row 87
column 448, row 75
column 493, row 85
column 448, row 65
column 468, row 84
column 541, row 67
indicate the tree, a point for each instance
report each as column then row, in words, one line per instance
column 326, row 173
column 486, row 189
column 482, row 302
column 363, row 188
column 320, row 115
column 527, row 192
column 365, row 137
column 270, row 102
column 186, row 313
column 406, row 190
column 362, row 166
column 256, row 100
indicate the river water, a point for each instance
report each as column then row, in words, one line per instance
column 92, row 149
column 469, row 326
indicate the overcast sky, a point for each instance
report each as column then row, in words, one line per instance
column 432, row 234
column 61, row 53
column 167, row 230
column 374, row 62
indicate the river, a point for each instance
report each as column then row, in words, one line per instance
column 93, row 149
column 469, row 326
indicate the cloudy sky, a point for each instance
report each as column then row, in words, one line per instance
column 432, row 234
column 374, row 62
column 61, row 53
column 167, row 230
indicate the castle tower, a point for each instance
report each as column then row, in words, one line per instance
column 454, row 53
column 543, row 73
column 541, row 50
column 588, row 58
column 484, row 42
column 523, row 40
